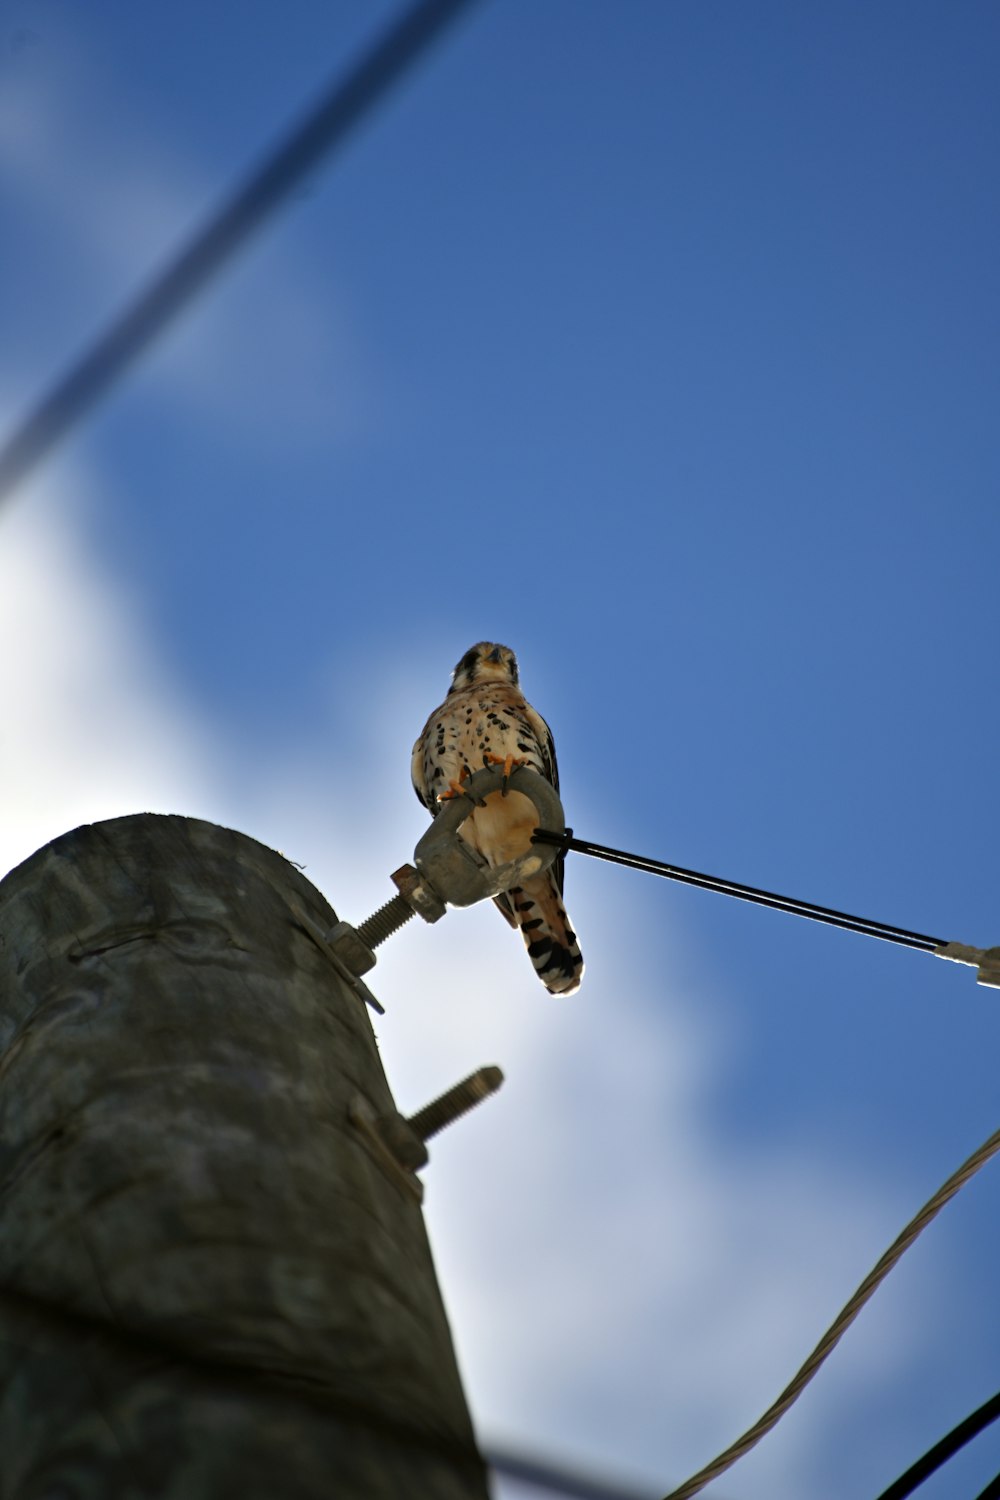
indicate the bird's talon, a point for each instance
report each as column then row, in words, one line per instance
column 508, row 762
column 456, row 789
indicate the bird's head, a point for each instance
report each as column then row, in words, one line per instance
column 486, row 662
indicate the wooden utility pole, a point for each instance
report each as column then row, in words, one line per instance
column 210, row 1287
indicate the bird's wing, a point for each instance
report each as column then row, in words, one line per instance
column 417, row 776
column 547, row 746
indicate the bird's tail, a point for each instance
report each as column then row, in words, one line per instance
column 536, row 907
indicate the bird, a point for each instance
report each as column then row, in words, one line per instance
column 486, row 720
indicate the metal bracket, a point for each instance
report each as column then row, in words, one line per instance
column 338, row 946
column 377, row 1138
column 985, row 960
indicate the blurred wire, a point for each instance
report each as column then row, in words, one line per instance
column 543, row 1475
column 992, row 1490
column 866, row 925
column 945, row 1449
column 840, row 1324
column 339, row 110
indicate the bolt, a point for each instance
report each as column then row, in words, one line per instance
column 455, row 1102
column 387, row 920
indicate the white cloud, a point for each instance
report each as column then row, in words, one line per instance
column 91, row 728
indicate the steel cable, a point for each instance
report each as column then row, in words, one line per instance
column 866, row 925
column 840, row 1324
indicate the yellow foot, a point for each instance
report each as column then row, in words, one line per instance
column 508, row 762
column 456, row 788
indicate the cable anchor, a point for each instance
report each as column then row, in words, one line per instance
column 985, row 960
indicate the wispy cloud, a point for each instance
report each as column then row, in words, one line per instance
column 91, row 729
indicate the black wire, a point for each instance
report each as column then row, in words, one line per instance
column 991, row 1491
column 945, row 1449
column 338, row 111
column 865, row 925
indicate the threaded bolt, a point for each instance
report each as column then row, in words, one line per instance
column 457, row 1101
column 387, row 920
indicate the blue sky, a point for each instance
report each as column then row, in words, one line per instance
column 658, row 341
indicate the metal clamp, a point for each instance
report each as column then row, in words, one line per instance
column 452, row 868
column 985, row 960
column 448, row 870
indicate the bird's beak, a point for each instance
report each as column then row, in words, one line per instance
column 494, row 655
